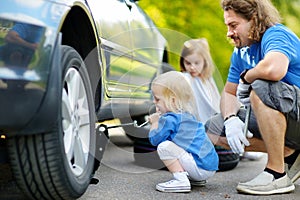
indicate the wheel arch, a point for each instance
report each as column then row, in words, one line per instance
column 78, row 31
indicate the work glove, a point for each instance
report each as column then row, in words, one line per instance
column 243, row 93
column 234, row 130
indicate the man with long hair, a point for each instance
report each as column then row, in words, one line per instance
column 264, row 74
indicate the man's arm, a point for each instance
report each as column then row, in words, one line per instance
column 234, row 127
column 229, row 102
column 273, row 67
column 13, row 37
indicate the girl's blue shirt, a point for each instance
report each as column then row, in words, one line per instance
column 184, row 130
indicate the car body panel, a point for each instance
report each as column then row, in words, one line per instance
column 20, row 103
column 116, row 42
column 127, row 48
column 49, row 98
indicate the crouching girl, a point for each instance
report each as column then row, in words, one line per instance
column 183, row 145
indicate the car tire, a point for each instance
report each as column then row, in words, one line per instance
column 227, row 159
column 134, row 133
column 145, row 155
column 59, row 164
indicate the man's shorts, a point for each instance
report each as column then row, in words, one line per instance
column 277, row 95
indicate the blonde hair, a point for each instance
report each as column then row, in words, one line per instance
column 262, row 13
column 177, row 92
column 199, row 46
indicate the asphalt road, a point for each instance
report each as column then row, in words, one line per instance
column 121, row 179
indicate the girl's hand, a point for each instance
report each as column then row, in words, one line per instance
column 153, row 119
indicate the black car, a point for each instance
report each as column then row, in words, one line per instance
column 65, row 65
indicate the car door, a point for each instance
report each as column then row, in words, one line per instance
column 148, row 47
column 112, row 21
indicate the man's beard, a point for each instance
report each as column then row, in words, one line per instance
column 237, row 42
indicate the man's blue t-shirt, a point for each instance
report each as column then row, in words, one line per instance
column 30, row 33
column 277, row 38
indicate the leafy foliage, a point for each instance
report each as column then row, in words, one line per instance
column 182, row 20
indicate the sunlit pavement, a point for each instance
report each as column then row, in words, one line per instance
column 120, row 178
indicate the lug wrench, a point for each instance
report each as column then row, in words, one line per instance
column 134, row 124
column 247, row 119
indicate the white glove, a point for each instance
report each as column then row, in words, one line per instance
column 234, row 129
column 243, row 93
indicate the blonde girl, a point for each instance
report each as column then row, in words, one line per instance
column 181, row 141
column 198, row 67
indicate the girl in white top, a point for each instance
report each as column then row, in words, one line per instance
column 197, row 66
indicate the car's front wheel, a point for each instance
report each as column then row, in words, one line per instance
column 59, row 164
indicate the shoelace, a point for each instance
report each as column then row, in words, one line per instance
column 170, row 181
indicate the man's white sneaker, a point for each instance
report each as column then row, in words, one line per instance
column 180, row 183
column 294, row 171
column 252, row 155
column 265, row 184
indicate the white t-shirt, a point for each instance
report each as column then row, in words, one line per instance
column 206, row 95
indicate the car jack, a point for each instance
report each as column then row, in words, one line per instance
column 102, row 138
